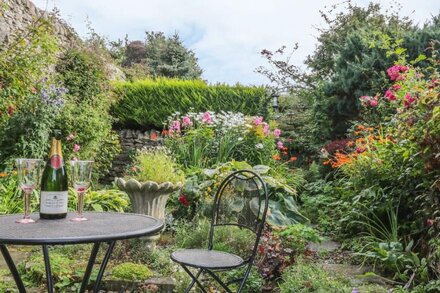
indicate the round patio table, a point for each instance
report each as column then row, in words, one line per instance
column 101, row 227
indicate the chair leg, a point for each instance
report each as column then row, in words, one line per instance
column 217, row 279
column 194, row 279
column 246, row 275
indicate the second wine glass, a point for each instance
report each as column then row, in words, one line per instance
column 80, row 173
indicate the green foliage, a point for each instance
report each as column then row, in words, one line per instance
column 169, row 58
column 303, row 277
column 157, row 166
column 298, row 235
column 200, row 188
column 228, row 239
column 24, row 60
column 62, row 267
column 11, row 201
column 151, row 102
column 24, row 118
column 131, row 271
column 83, row 72
column 105, row 200
column 158, row 56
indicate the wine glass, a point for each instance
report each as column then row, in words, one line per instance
column 81, row 172
column 28, row 173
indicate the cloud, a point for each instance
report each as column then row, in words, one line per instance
column 226, row 35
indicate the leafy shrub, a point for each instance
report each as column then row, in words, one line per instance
column 84, row 119
column 298, row 235
column 24, row 117
column 108, row 200
column 156, row 166
column 149, row 102
column 131, row 271
column 198, row 193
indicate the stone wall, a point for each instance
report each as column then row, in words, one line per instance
column 17, row 15
column 131, row 141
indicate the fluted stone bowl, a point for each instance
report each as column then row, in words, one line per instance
column 148, row 198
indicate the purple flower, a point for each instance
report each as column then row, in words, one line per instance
column 280, row 145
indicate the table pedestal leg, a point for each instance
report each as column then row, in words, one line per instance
column 89, row 267
column 12, row 268
column 48, row 270
column 111, row 245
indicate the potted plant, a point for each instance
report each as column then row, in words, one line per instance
column 153, row 176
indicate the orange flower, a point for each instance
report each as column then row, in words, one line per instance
column 350, row 143
column 360, row 127
column 164, row 132
column 293, row 159
column 153, row 136
column 276, row 157
column 369, row 129
column 340, row 160
column 327, row 162
column 360, row 140
column 3, row 174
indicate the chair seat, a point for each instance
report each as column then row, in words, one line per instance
column 208, row 259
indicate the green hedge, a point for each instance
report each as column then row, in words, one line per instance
column 148, row 103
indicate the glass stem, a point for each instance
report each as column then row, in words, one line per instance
column 27, row 205
column 80, row 204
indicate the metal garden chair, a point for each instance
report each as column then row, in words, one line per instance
column 241, row 202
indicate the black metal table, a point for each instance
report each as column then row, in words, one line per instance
column 101, row 227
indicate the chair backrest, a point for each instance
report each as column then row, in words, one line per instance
column 241, row 201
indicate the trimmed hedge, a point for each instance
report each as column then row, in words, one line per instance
column 148, row 103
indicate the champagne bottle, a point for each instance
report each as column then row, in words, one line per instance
column 54, row 186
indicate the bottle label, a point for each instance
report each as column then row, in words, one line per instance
column 56, row 161
column 53, row 202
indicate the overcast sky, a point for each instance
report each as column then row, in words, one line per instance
column 226, row 35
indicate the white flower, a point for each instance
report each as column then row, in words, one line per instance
column 240, row 138
column 259, row 145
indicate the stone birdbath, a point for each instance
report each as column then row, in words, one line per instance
column 149, row 197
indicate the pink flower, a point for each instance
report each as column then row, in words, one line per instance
column 258, row 120
column 396, row 87
column 374, row 102
column 70, row 137
column 280, row 145
column 75, row 158
column 430, row 222
column 265, row 128
column 76, row 148
column 277, row 132
column 186, row 121
column 364, row 98
column 390, row 95
column 207, row 118
column 360, row 150
column 394, row 72
column 175, row 126
column 408, row 100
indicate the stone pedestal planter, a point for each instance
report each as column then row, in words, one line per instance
column 148, row 198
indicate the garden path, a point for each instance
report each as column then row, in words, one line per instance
column 337, row 262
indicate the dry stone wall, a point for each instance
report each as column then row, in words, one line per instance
column 132, row 141
column 17, row 15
